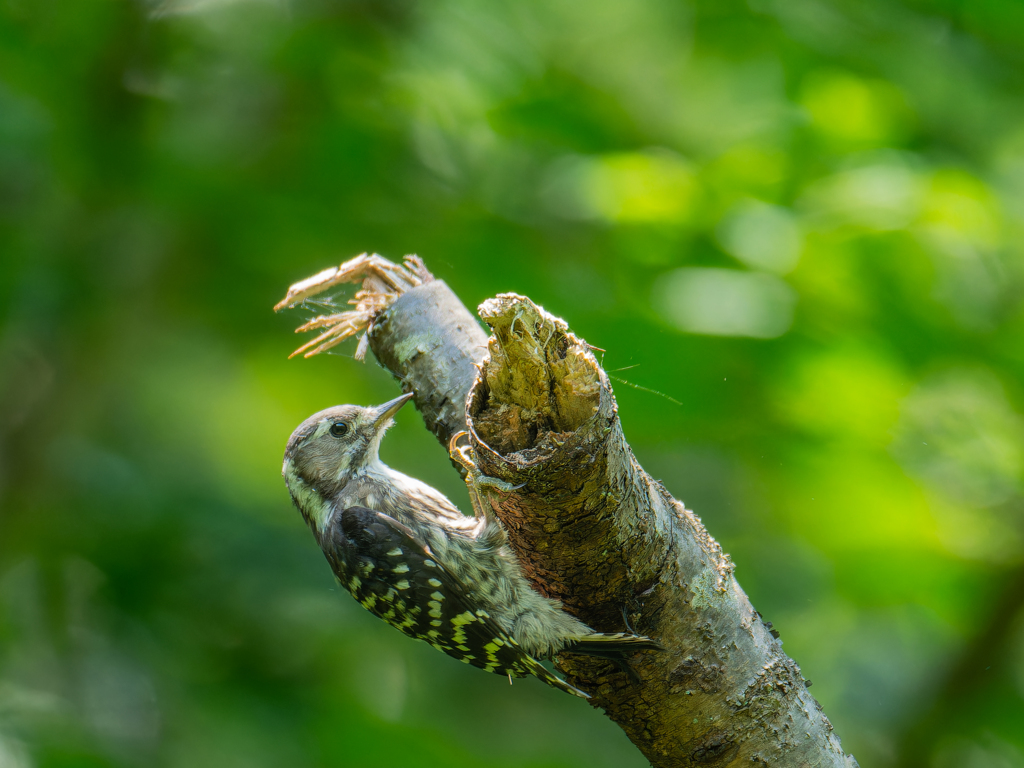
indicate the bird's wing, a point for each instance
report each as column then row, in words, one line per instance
column 393, row 574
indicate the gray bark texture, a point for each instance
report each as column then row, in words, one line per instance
column 433, row 345
column 593, row 530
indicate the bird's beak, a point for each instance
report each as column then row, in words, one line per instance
column 389, row 409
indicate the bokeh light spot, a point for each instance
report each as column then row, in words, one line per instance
column 762, row 236
column 725, row 302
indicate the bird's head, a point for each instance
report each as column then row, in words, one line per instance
column 330, row 448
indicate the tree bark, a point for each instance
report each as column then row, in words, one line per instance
column 593, row 530
column 433, row 345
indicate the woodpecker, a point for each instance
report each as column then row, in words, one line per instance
column 410, row 557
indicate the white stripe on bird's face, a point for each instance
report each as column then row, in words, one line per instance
column 311, row 503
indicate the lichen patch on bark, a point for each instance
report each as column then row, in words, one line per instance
column 421, row 344
column 708, row 589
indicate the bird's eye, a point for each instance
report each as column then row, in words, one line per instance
column 338, row 429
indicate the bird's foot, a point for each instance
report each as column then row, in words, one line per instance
column 476, row 481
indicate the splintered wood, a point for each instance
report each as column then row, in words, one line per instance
column 542, row 382
column 383, row 281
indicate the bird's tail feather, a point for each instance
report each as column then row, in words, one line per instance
column 612, row 645
column 555, row 681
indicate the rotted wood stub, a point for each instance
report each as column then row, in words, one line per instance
column 543, row 382
column 431, row 343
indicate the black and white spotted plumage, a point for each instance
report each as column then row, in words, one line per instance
column 389, row 537
column 394, row 576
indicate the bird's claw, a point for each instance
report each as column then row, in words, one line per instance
column 463, row 455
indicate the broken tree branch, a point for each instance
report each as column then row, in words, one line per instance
column 593, row 530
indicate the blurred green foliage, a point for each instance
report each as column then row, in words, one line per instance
column 800, row 219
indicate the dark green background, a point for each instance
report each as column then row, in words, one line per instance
column 842, row 405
